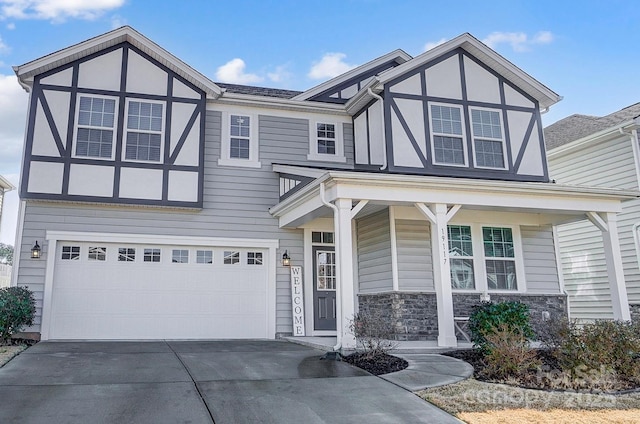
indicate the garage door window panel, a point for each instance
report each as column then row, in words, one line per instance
column 152, row 255
column 254, row 258
column 126, row 254
column 180, row 256
column 97, row 253
column 204, row 256
column 71, row 253
column 231, row 257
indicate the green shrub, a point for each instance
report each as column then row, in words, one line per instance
column 509, row 354
column 601, row 345
column 17, row 309
column 487, row 317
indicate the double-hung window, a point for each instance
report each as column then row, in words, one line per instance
column 484, row 258
column 144, row 131
column 239, row 145
column 326, row 142
column 488, row 138
column 96, row 123
column 447, row 135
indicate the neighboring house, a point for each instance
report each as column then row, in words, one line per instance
column 164, row 202
column 5, row 186
column 599, row 152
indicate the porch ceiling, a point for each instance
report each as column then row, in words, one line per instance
column 553, row 203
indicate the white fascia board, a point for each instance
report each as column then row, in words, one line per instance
column 607, row 133
column 277, row 103
column 508, row 70
column 299, row 170
column 5, row 185
column 363, row 96
column 160, row 239
column 396, row 54
column 26, row 71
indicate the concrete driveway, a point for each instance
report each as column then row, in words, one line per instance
column 198, row 382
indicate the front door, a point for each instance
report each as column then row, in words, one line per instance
column 324, row 288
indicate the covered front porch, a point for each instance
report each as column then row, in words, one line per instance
column 423, row 250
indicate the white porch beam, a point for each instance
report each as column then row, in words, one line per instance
column 615, row 272
column 357, row 208
column 344, row 259
column 597, row 221
column 439, row 217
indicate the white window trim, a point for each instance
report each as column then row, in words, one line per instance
column 225, row 142
column 313, row 143
column 125, row 130
column 479, row 258
column 114, row 129
column 503, row 140
column 463, row 136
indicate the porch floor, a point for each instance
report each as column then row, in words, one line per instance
column 327, row 343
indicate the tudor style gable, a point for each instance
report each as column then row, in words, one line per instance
column 452, row 115
column 115, row 126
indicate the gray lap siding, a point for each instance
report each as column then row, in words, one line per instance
column 236, row 205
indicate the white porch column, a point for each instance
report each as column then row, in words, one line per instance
column 344, row 260
column 439, row 217
column 613, row 258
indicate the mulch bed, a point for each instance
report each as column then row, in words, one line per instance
column 378, row 364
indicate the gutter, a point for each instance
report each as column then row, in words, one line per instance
column 336, row 225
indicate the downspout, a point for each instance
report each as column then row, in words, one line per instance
column 378, row 97
column 336, row 225
column 633, row 137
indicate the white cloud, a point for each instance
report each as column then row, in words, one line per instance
column 56, row 10
column 117, row 21
column 519, row 41
column 331, row 65
column 13, row 111
column 11, row 25
column 233, row 72
column 432, row 44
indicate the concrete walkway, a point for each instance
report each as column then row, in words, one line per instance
column 200, row 382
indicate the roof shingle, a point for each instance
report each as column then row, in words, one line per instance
column 258, row 91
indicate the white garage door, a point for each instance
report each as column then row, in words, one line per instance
column 127, row 291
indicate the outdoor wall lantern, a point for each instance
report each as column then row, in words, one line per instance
column 286, row 260
column 35, row 251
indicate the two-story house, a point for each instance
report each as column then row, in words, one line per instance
column 164, row 202
column 598, row 151
column 5, row 186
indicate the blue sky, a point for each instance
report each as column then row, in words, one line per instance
column 585, row 51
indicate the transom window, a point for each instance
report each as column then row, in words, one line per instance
column 326, row 139
column 96, row 122
column 448, row 140
column 152, row 255
column 97, row 253
column 126, row 254
column 231, row 257
column 461, row 257
column 71, row 253
column 144, row 131
column 254, row 258
column 204, row 257
column 180, row 256
column 482, row 252
column 240, row 129
column 488, row 140
column 322, row 237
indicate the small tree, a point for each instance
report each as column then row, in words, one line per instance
column 17, row 309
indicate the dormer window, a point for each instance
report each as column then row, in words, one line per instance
column 96, row 121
